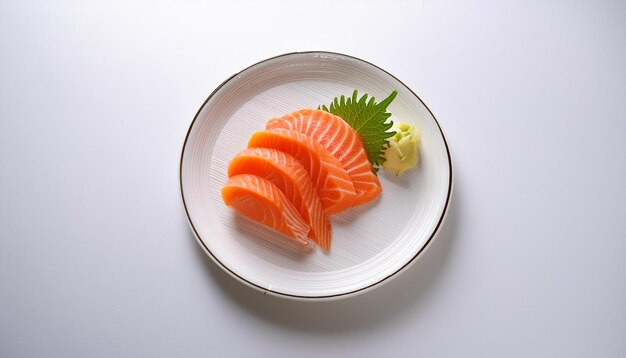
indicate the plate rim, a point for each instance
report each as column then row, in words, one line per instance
column 358, row 291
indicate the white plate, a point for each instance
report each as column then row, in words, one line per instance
column 371, row 243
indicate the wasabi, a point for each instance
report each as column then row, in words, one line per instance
column 402, row 153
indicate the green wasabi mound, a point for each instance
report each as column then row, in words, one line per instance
column 402, row 152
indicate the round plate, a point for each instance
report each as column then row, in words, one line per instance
column 370, row 243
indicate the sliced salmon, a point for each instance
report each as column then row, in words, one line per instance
column 262, row 201
column 284, row 171
column 333, row 183
column 341, row 140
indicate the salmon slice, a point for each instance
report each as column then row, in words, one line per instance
column 293, row 180
column 342, row 141
column 331, row 180
column 262, row 201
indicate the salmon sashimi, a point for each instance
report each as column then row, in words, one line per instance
column 262, row 201
column 332, row 181
column 293, row 180
column 341, row 140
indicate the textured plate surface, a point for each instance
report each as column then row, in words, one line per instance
column 371, row 243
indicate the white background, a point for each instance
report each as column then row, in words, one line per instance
column 96, row 259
